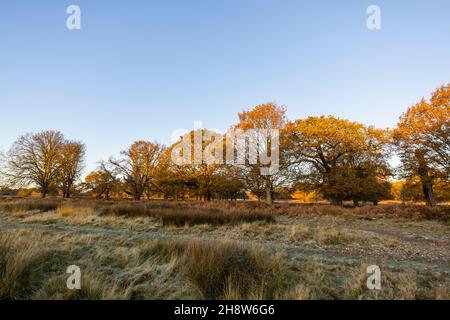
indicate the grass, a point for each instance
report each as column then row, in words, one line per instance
column 33, row 265
column 210, row 270
column 168, row 213
column 228, row 212
column 230, row 271
column 331, row 236
column 192, row 218
column 23, row 266
column 29, row 205
column 172, row 214
column 66, row 210
column 299, row 233
column 128, row 264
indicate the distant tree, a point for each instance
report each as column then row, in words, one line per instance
column 101, row 182
column 169, row 181
column 229, row 185
column 137, row 166
column 261, row 120
column 411, row 190
column 71, row 165
column 423, row 140
column 359, row 183
column 189, row 165
column 255, row 183
column 34, row 159
column 339, row 158
column 442, row 190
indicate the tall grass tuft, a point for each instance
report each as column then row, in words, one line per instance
column 230, row 271
column 173, row 214
column 30, row 205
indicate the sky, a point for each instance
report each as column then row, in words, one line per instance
column 139, row 70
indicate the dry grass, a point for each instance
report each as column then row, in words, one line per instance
column 66, row 210
column 125, row 264
column 224, row 212
column 172, row 214
column 230, row 271
column 157, row 269
column 331, row 236
column 299, row 232
column 23, row 265
column 33, row 264
column 192, row 218
column 16, row 206
column 227, row 212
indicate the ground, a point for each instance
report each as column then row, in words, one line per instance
column 297, row 256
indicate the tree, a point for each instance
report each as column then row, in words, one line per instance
column 260, row 123
column 229, row 186
column 191, row 164
column 411, row 190
column 423, row 140
column 357, row 182
column 337, row 157
column 101, row 182
column 71, row 165
column 137, row 166
column 34, row 159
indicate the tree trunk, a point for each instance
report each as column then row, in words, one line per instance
column 66, row 193
column 44, row 191
column 428, row 193
column 68, row 188
column 269, row 198
column 426, row 179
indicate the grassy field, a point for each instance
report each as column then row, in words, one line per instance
column 221, row 250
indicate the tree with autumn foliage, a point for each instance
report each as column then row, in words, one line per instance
column 262, row 121
column 137, row 166
column 71, row 165
column 45, row 160
column 101, row 182
column 191, row 165
column 343, row 160
column 34, row 160
column 422, row 136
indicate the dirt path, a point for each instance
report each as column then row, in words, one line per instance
column 327, row 255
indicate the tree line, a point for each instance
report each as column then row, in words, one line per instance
column 338, row 159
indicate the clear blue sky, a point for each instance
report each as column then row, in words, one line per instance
column 141, row 69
